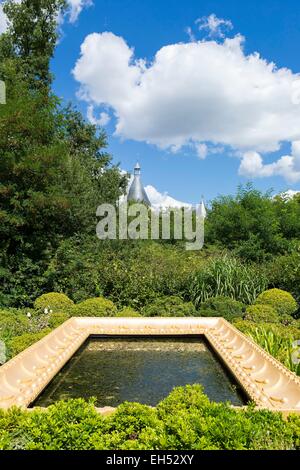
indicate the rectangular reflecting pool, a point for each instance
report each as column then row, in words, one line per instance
column 143, row 370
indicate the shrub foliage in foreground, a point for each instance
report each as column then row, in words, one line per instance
column 185, row 420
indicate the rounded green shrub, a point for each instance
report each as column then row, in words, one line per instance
column 169, row 307
column 224, row 307
column 262, row 314
column 54, row 301
column 12, row 323
column 97, row 307
column 20, row 343
column 128, row 312
column 57, row 319
column 283, row 302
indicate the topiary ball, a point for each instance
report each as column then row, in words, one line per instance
column 169, row 306
column 54, row 301
column 283, row 302
column 128, row 312
column 262, row 314
column 96, row 307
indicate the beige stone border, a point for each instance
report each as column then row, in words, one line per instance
column 266, row 381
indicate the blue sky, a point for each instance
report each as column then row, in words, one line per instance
column 270, row 27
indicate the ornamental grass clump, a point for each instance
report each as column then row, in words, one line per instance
column 227, row 277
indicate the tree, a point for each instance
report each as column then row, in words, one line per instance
column 247, row 223
column 31, row 38
column 54, row 168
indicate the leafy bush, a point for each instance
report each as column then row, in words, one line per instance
column 185, row 420
column 12, row 323
column 227, row 277
column 20, row 343
column 57, row 319
column 53, row 301
column 128, row 312
column 169, row 307
column 193, row 422
column 284, row 273
column 98, row 307
column 225, row 307
column 261, row 314
column 277, row 340
column 283, row 302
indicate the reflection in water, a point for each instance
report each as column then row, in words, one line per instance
column 141, row 370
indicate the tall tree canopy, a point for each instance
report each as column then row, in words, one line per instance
column 54, row 169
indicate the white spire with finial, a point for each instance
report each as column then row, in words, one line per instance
column 136, row 191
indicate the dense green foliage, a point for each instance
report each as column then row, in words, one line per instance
column 225, row 307
column 98, row 307
column 227, row 277
column 254, row 225
column 54, row 170
column 128, row 312
column 185, row 420
column 283, row 302
column 169, row 307
column 276, row 339
column 53, row 302
column 261, row 314
column 12, row 323
column 19, row 343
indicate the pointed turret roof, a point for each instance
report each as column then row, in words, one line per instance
column 136, row 191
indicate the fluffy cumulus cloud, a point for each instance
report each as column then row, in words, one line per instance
column 163, row 200
column 74, row 8
column 288, row 166
column 205, row 94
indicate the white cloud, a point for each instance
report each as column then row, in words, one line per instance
column 287, row 166
column 163, row 200
column 214, row 25
column 202, row 151
column 193, row 93
column 3, row 18
column 103, row 120
column 74, row 8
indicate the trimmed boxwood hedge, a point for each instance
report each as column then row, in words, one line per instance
column 185, row 420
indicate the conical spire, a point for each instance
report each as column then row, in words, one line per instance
column 137, row 192
column 202, row 209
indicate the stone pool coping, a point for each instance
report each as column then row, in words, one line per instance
column 264, row 380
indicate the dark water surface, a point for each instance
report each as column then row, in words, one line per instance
column 144, row 370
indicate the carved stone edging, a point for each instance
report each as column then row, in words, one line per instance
column 265, row 380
